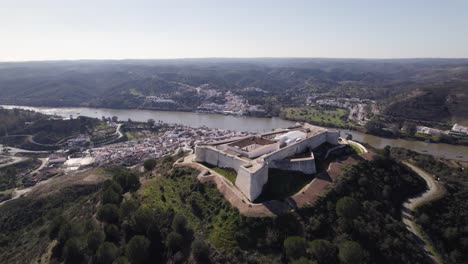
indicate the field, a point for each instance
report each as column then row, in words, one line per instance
column 333, row 117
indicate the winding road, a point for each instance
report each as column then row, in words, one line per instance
column 435, row 191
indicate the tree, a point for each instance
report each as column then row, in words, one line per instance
column 351, row 252
column 323, row 251
column 200, row 250
column 108, row 213
column 128, row 207
column 149, row 164
column 347, row 207
column 179, row 224
column 374, row 126
column 151, row 122
column 121, row 260
column 303, row 260
column 112, row 233
column 174, row 242
column 137, row 249
column 109, row 196
column 95, row 239
column 410, row 128
column 143, row 219
column 295, row 247
column 73, row 251
column 115, row 119
column 106, row 253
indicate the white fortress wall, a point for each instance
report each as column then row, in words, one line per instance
column 216, row 158
column 304, row 165
column 251, row 180
column 298, row 147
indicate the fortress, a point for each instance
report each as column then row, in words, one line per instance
column 251, row 156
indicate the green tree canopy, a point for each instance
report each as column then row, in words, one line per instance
column 95, row 239
column 174, row 242
column 351, row 252
column 347, row 207
column 323, row 251
column 149, row 164
column 200, row 250
column 106, row 253
column 108, row 213
column 295, row 247
column 137, row 249
column 73, row 251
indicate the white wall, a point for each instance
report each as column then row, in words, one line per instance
column 251, row 183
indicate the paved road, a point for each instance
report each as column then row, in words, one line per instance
column 434, row 192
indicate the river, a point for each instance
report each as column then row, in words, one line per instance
column 249, row 124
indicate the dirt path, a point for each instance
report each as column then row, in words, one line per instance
column 16, row 160
column 435, row 191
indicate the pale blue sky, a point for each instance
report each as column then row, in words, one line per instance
column 140, row 29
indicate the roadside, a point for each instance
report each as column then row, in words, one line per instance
column 435, row 191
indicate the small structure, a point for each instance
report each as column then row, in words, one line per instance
column 459, row 130
column 252, row 156
column 428, row 131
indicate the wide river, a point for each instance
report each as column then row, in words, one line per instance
column 249, row 124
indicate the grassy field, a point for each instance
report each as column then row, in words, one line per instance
column 336, row 117
column 282, row 184
column 228, row 173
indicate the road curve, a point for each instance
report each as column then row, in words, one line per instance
column 435, row 191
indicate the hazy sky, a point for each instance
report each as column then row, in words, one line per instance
column 117, row 29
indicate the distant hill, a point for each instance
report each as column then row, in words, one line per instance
column 447, row 102
column 286, row 82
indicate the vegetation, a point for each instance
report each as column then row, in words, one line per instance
column 227, row 173
column 444, row 220
column 15, row 176
column 173, row 217
column 329, row 116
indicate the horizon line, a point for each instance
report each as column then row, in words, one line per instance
column 234, row 58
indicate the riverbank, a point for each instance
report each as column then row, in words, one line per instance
column 250, row 124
